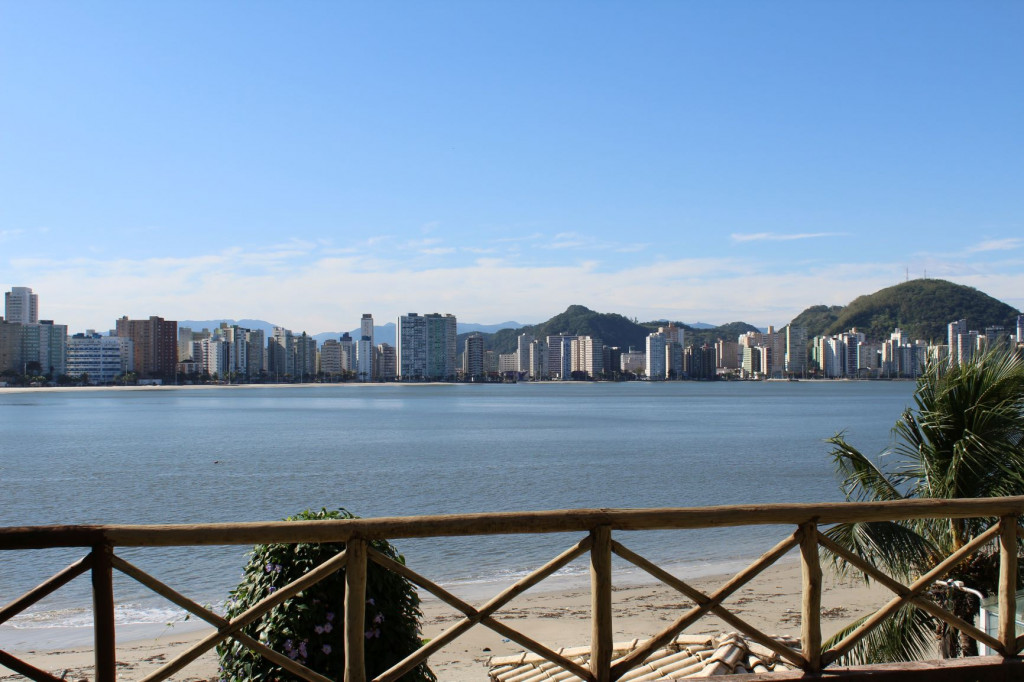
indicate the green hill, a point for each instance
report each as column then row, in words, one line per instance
column 817, row 319
column 920, row 307
column 611, row 328
column 577, row 320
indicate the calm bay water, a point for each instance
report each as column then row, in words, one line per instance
column 247, row 454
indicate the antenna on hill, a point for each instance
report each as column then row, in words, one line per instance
column 908, row 274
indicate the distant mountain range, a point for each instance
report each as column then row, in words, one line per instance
column 920, row 307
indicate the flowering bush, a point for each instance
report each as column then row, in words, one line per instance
column 309, row 627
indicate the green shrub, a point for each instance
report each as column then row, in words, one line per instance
column 309, row 627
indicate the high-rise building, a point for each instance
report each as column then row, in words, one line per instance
column 411, row 337
column 656, row 369
column 701, row 362
column 538, row 360
column 612, row 359
column 387, row 362
column 587, row 356
column 966, row 345
column 155, row 346
column 473, row 356
column 851, row 344
column 507, row 363
column 633, row 361
column 831, row 356
column 281, row 354
column 673, row 334
column 426, row 346
column 331, row 358
column 675, row 367
column 523, row 342
column 348, row 352
column 305, row 357
column 752, row 360
column 236, row 350
column 441, row 346
column 44, row 348
column 560, row 356
column 21, row 306
column 184, row 343
column 796, row 350
column 995, row 336
column 255, row 352
column 953, row 331
column 1020, row 329
column 365, row 349
column 366, row 326
column 727, row 354
column 10, row 347
column 101, row 358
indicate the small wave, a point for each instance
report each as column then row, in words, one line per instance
column 124, row 614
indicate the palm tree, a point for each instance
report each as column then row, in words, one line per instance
column 964, row 437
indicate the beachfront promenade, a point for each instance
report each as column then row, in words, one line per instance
column 600, row 539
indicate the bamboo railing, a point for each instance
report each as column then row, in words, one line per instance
column 598, row 526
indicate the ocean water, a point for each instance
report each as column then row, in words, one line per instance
column 248, row 454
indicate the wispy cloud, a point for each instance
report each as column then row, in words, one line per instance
column 296, row 284
column 1007, row 244
column 777, row 237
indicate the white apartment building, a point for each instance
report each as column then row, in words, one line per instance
column 508, row 363
column 655, row 366
column 21, row 306
column 633, row 361
column 365, row 349
column 102, row 358
column 587, row 356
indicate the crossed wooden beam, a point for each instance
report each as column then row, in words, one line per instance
column 807, row 536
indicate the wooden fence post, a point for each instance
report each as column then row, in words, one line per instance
column 103, row 613
column 601, row 603
column 810, row 622
column 1008, row 584
column 355, row 611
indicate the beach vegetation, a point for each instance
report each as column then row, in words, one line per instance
column 309, row 628
column 963, row 437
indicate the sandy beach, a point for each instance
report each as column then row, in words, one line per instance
column 558, row 618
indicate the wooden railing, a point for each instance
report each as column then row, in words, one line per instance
column 598, row 526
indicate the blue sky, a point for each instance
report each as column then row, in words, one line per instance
column 702, row 161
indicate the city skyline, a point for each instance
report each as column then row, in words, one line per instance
column 703, row 163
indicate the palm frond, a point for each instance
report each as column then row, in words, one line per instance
column 861, row 479
column 909, row 634
column 894, row 548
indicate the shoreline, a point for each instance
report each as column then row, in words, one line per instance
column 12, row 390
column 557, row 617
